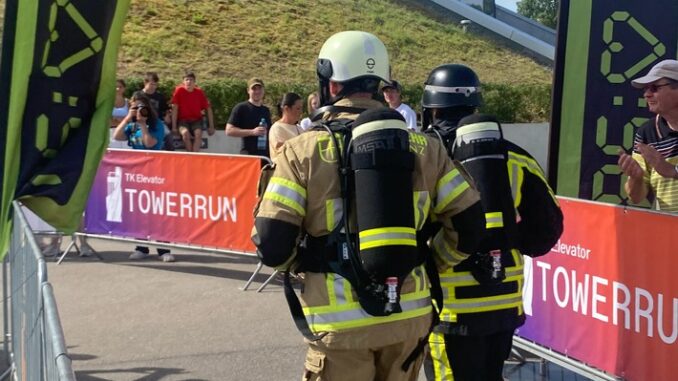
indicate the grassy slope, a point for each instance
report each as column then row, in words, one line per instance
column 278, row 40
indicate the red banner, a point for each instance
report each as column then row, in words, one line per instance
column 197, row 199
column 607, row 294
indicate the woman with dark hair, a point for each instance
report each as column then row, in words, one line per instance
column 141, row 127
column 286, row 127
column 143, row 130
column 120, row 109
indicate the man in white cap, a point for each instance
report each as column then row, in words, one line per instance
column 653, row 165
column 392, row 96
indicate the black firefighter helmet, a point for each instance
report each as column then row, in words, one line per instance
column 450, row 85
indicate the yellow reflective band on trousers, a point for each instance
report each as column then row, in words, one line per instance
column 449, row 188
column 453, row 306
column 388, row 236
column 343, row 312
column 287, row 193
column 494, row 220
column 442, row 371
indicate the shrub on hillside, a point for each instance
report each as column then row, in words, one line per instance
column 510, row 103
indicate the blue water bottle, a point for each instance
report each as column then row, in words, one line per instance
column 261, row 140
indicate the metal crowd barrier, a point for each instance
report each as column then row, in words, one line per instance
column 74, row 246
column 566, row 362
column 34, row 339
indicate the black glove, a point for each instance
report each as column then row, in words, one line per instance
column 487, row 269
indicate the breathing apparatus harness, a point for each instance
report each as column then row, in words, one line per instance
column 480, row 147
column 373, row 259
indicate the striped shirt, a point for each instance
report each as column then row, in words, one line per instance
column 657, row 133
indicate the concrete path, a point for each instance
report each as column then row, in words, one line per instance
column 187, row 320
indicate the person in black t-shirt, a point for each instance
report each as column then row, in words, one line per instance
column 158, row 101
column 159, row 104
column 246, row 118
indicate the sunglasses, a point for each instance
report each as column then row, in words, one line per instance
column 654, row 88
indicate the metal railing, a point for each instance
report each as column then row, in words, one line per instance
column 34, row 339
column 498, row 27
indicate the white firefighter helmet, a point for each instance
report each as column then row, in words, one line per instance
column 352, row 55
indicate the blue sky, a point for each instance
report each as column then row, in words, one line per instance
column 510, row 4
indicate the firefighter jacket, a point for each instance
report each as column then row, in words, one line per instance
column 303, row 198
column 474, row 309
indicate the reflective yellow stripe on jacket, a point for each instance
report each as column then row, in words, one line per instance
column 422, row 207
column 516, row 164
column 287, row 193
column 449, row 187
column 453, row 306
column 344, row 311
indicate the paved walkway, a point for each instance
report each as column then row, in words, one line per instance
column 188, row 320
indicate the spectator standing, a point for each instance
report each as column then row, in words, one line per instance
column 159, row 104
column 286, row 127
column 188, row 104
column 246, row 120
column 142, row 129
column 392, row 96
column 120, row 110
column 312, row 103
column 157, row 99
column 653, row 165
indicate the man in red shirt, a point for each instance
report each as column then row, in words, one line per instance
column 188, row 104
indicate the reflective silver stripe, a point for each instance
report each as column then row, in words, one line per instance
column 419, row 274
column 387, row 237
column 334, row 210
column 359, row 313
column 493, row 220
column 445, row 251
column 377, row 125
column 499, row 157
column 287, row 193
column 528, row 162
column 514, row 183
column 459, row 304
column 421, row 208
column 453, row 90
column 467, row 277
column 449, row 188
column 533, row 167
column 339, row 291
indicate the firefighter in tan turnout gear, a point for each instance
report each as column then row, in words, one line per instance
column 345, row 207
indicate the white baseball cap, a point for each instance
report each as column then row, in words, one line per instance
column 664, row 69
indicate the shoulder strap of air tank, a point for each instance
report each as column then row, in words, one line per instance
column 319, row 112
column 341, row 235
column 437, row 295
column 298, row 312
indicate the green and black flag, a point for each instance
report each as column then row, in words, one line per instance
column 57, row 80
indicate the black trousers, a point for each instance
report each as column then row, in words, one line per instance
column 476, row 358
